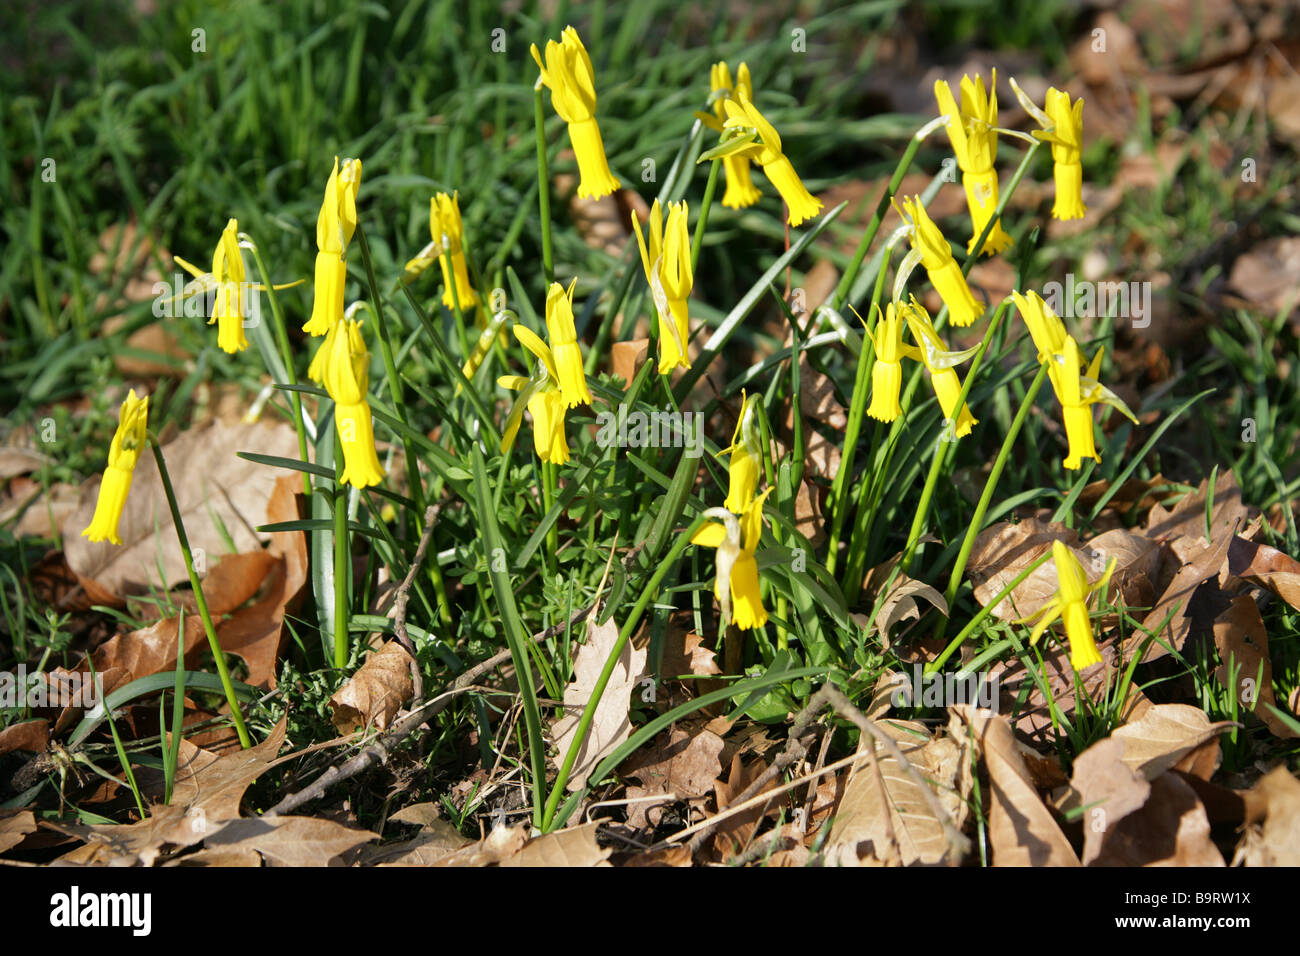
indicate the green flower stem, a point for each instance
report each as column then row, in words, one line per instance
column 286, row 353
column 868, row 237
column 543, row 185
column 936, row 664
column 342, row 558
column 697, row 241
column 200, row 601
column 946, row 444
column 548, row 502
column 624, row 635
column 857, row 407
column 977, row 521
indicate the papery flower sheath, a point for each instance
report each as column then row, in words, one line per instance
column 937, row 260
column 567, row 72
column 767, row 153
column 1070, row 603
column 736, row 584
column 971, row 130
column 746, row 452
column 123, row 453
column 667, row 265
column 741, row 191
column 570, row 377
column 347, row 379
column 335, row 224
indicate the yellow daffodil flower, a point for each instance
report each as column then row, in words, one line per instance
column 939, row 362
column 449, row 234
column 746, row 452
column 1062, row 124
column 568, row 74
column 335, row 224
column 887, row 370
column 347, row 379
column 971, row 130
column 667, row 264
column 1070, row 603
column 1045, row 328
column 741, row 191
column 124, row 451
column 736, row 585
column 560, row 331
column 543, row 399
column 936, row 257
column 741, row 113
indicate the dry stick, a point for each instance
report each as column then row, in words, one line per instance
column 403, row 595
column 378, row 751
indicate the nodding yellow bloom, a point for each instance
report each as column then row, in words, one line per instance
column 887, row 370
column 936, row 257
column 741, row 191
column 746, row 452
column 347, row 378
column 570, row 376
column 568, row 74
column 1045, row 328
column 767, row 153
column 543, row 399
column 335, row 224
column 975, row 142
column 939, row 362
column 128, row 441
column 736, row 585
column 1065, row 134
column 1077, row 393
column 449, row 234
column 1071, row 604
column 667, row 264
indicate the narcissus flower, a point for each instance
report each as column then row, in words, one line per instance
column 449, row 234
column 542, row 397
column 736, row 585
column 936, row 257
column 741, row 191
column 1045, row 328
column 741, row 113
column 347, row 378
column 1077, row 393
column 570, row 376
column 746, row 452
column 940, row 363
column 1062, row 124
column 887, row 370
column 335, row 224
column 128, row 441
column 971, row 130
column 1070, row 603
column 568, row 74
column 667, row 264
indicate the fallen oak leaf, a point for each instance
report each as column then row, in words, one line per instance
column 289, row 841
column 374, row 694
column 15, row 826
column 1165, row 735
column 1266, row 566
column 32, row 736
column 680, row 762
column 574, row 847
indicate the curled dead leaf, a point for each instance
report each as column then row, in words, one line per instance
column 374, row 694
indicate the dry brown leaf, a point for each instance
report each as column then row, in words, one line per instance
column 1170, row 829
column 732, row 834
column 604, row 223
column 684, row 651
column 1022, row 831
column 374, row 694
column 32, row 736
column 1034, row 715
column 900, row 604
column 1176, row 600
column 214, row 786
column 1107, row 790
column 21, row 460
column 1165, row 735
column 425, row 814
column 1272, row 836
column 501, row 843
column 628, row 357
column 1266, row 274
column 289, row 841
column 436, row 840
column 677, row 855
column 1266, row 566
column 213, row 486
column 1242, row 642
column 611, row 724
column 809, row 520
column 1135, row 493
column 1001, row 551
column 15, row 825
column 1187, row 519
column 574, row 847
column 682, row 761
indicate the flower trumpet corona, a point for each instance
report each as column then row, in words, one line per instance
column 937, row 260
column 746, row 452
column 563, row 338
column 971, row 130
column 568, row 74
column 335, row 224
column 347, row 378
column 940, row 363
column 887, row 370
column 667, row 264
column 124, row 451
column 1070, row 603
column 1062, row 124
column 736, row 585
column 741, row 191
column 742, row 114
column 542, row 397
